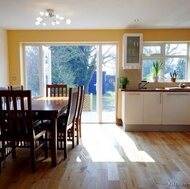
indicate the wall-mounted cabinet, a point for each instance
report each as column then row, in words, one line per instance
column 132, row 51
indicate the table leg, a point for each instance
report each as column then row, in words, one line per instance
column 53, row 141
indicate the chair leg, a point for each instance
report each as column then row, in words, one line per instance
column 77, row 131
column 46, row 147
column 65, row 145
column 80, row 127
column 73, row 135
column 13, row 151
column 32, row 153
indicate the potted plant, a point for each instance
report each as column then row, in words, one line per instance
column 157, row 67
column 173, row 76
column 124, row 81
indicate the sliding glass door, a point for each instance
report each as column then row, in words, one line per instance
column 90, row 65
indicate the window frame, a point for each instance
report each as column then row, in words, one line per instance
column 162, row 57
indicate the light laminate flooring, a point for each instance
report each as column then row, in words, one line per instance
column 108, row 158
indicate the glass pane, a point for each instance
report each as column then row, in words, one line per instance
column 133, row 49
column 73, row 65
column 32, row 69
column 47, row 64
column 176, row 49
column 108, row 82
column 150, row 50
column 76, row 66
column 178, row 64
column 147, row 69
column 90, row 113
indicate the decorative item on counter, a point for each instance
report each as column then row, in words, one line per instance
column 157, row 67
column 173, row 76
column 182, row 85
column 124, row 81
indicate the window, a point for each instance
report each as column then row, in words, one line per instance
column 173, row 55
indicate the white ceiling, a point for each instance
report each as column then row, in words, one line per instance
column 97, row 14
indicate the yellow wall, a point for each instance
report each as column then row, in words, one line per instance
column 16, row 37
column 4, row 77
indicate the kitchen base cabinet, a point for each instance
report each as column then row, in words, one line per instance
column 156, row 111
column 132, row 108
column 176, row 108
column 152, row 108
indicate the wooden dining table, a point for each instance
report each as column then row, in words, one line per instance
column 50, row 108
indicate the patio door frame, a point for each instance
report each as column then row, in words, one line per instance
column 99, row 70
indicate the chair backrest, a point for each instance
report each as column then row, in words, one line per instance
column 72, row 105
column 80, row 102
column 16, row 87
column 4, row 88
column 16, row 114
column 56, row 90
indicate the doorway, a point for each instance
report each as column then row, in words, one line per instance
column 93, row 66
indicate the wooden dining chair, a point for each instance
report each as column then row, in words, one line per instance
column 53, row 90
column 56, row 90
column 15, row 87
column 63, row 125
column 17, row 128
column 77, row 122
column 20, row 87
column 79, row 112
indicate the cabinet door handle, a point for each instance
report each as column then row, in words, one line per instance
column 160, row 98
column 179, row 94
column 134, row 94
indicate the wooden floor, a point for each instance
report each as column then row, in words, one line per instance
column 108, row 158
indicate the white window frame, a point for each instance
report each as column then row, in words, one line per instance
column 162, row 56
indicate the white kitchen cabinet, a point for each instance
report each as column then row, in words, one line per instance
column 132, row 107
column 152, row 108
column 156, row 111
column 176, row 108
column 132, row 51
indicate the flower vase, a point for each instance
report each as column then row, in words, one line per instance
column 155, row 78
column 173, row 79
column 123, row 86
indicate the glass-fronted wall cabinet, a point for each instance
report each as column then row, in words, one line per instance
column 132, row 51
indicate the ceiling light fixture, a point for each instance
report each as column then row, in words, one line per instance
column 136, row 20
column 50, row 16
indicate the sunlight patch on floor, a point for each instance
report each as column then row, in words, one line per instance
column 130, row 147
column 99, row 146
column 101, row 149
column 100, row 152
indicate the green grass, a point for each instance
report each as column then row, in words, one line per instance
column 108, row 102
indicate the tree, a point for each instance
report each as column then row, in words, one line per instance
column 181, row 65
column 72, row 65
column 32, row 68
column 75, row 65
